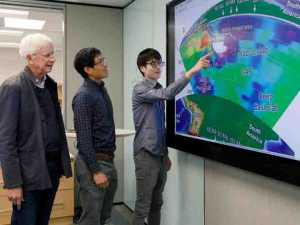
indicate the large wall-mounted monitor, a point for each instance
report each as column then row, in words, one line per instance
column 245, row 109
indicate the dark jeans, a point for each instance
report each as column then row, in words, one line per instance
column 151, row 176
column 37, row 205
column 96, row 202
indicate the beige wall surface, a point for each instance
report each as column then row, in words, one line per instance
column 88, row 26
column 238, row 197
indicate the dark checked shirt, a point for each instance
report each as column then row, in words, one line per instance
column 149, row 114
column 94, row 122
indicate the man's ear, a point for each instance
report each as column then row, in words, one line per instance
column 143, row 69
column 29, row 59
column 87, row 70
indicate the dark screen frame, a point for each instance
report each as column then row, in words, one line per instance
column 283, row 169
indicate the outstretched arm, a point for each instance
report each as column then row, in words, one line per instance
column 151, row 94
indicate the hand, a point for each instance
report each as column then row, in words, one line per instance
column 203, row 62
column 168, row 164
column 15, row 195
column 101, row 180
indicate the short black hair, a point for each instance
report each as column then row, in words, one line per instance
column 85, row 58
column 147, row 55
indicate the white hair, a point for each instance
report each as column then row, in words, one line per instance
column 33, row 42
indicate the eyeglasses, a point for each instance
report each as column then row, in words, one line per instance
column 47, row 56
column 101, row 61
column 156, row 63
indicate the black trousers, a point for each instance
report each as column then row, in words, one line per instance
column 37, row 205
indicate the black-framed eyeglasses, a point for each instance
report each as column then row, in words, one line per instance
column 101, row 61
column 156, row 63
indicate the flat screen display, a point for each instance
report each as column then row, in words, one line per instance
column 245, row 108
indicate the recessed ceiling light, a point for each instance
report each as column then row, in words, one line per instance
column 24, row 23
column 11, row 32
column 9, row 45
column 13, row 12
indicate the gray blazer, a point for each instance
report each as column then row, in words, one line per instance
column 22, row 151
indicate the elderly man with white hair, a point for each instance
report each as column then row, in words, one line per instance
column 33, row 146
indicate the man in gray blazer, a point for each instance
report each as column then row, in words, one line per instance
column 33, row 147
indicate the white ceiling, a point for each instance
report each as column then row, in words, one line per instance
column 115, row 3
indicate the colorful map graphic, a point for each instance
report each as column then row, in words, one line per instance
column 249, row 97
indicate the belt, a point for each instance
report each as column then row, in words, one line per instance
column 105, row 156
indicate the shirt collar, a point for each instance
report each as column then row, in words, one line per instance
column 94, row 84
column 151, row 83
column 37, row 82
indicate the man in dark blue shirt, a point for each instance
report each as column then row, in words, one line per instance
column 95, row 129
column 150, row 150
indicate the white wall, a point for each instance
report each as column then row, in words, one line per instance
column 238, row 197
column 138, row 15
column 10, row 63
column 145, row 26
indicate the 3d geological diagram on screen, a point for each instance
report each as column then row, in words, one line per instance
column 249, row 97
